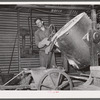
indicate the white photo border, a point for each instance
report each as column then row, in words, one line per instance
column 50, row 94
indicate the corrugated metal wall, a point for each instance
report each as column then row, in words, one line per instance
column 8, row 31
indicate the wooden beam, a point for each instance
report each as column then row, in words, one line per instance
column 93, row 49
column 31, row 33
column 55, row 7
column 17, row 87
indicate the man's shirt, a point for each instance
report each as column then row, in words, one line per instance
column 40, row 35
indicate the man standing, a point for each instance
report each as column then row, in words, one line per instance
column 41, row 40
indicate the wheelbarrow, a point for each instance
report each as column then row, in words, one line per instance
column 43, row 79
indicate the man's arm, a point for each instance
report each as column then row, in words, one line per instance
column 42, row 43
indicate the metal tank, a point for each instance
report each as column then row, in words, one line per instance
column 70, row 40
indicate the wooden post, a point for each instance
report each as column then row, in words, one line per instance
column 18, row 30
column 49, row 20
column 93, row 49
column 31, row 33
column 23, row 45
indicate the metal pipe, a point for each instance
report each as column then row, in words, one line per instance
column 12, row 54
column 18, row 32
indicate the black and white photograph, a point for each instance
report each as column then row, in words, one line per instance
column 49, row 47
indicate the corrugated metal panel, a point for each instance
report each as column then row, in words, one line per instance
column 30, row 62
column 8, row 31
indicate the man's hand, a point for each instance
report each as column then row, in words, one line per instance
column 45, row 41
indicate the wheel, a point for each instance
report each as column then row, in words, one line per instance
column 55, row 79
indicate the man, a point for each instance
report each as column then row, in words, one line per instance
column 41, row 40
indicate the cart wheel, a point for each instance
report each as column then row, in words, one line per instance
column 55, row 80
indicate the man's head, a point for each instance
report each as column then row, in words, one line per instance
column 39, row 22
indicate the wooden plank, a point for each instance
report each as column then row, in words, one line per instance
column 89, row 87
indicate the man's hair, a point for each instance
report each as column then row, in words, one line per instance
column 38, row 18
